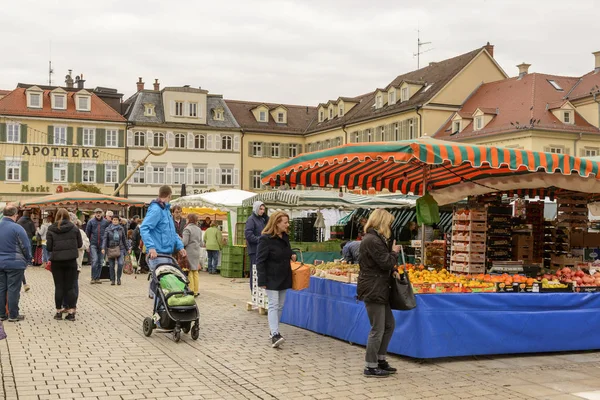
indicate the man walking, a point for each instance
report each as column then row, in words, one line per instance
column 15, row 255
column 94, row 230
column 254, row 227
column 159, row 234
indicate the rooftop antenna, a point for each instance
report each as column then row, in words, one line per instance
column 50, row 70
column 419, row 52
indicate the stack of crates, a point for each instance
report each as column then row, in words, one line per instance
column 232, row 261
column 259, row 295
column 240, row 233
column 247, row 264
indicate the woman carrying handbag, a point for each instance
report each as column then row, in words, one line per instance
column 377, row 260
column 114, row 246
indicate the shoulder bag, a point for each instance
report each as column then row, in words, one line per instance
column 402, row 296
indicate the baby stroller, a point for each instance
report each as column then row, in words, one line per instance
column 175, row 308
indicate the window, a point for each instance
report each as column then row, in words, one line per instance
column 396, row 131
column 567, row 119
column 293, row 150
column 455, row 127
column 382, row 133
column 556, row 150
column 257, row 149
column 404, row 94
column 255, row 180
column 60, row 135
column 379, row 101
column 328, row 144
column 149, row 110
column 111, row 173
column 555, row 85
column 199, row 176
column 369, row 135
column 89, row 137
column 219, row 114
column 321, row 116
column 319, row 145
column 88, row 173
column 112, row 136
column 83, row 103
column 179, row 108
column 13, row 170
column 178, row 175
column 338, row 141
column 227, row 176
column 139, row 176
column 330, row 113
column 427, row 87
column 590, row 152
column 411, row 129
column 340, row 111
column 226, row 142
column 180, row 141
column 275, row 150
column 280, row 118
column 199, row 142
column 478, row 123
column 159, row 139
column 13, row 133
column 59, row 172
column 35, row 100
column 158, row 175
column 262, row 116
column 139, row 139
column 193, row 109
column 355, row 137
column 392, row 96
column 59, row 101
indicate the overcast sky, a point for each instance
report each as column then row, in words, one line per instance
column 296, row 52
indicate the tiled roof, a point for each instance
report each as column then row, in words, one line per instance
column 4, row 92
column 15, row 103
column 436, row 74
column 135, row 109
column 586, row 86
column 298, row 117
column 216, row 101
column 522, row 104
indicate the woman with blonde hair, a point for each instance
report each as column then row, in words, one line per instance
column 377, row 259
column 274, row 270
column 192, row 241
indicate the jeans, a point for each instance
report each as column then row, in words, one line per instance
column 96, row 260
column 152, row 265
column 213, row 260
column 111, row 266
column 382, row 328
column 276, row 300
column 10, row 283
column 252, row 262
column 45, row 254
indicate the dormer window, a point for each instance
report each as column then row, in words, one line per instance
column 404, row 94
column 34, row 97
column 262, row 116
column 379, row 101
column 149, row 110
column 568, row 117
column 280, row 117
column 330, row 113
column 83, row 101
column 392, row 97
column 340, row 111
column 321, row 116
column 455, row 127
column 478, row 122
column 59, row 99
column 219, row 114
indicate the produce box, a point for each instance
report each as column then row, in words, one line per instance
column 516, row 287
column 478, row 289
column 339, row 278
column 591, row 254
column 586, row 289
column 424, row 288
column 537, row 288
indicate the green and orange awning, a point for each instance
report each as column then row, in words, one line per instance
column 81, row 200
column 450, row 170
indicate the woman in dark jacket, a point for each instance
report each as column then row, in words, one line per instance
column 63, row 241
column 254, row 226
column 115, row 236
column 274, row 269
column 377, row 260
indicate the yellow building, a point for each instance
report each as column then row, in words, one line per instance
column 53, row 137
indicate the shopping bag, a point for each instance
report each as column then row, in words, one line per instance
column 300, row 273
column 49, row 266
column 402, row 296
column 134, row 262
column 127, row 265
column 2, row 331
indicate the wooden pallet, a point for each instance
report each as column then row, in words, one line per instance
column 251, row 306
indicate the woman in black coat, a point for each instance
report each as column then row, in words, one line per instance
column 377, row 259
column 274, row 269
column 63, row 242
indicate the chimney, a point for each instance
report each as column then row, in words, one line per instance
column 523, row 69
column 80, row 81
column 489, row 48
column 69, row 79
column 597, row 61
column 156, row 85
column 140, row 84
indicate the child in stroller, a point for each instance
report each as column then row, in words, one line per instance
column 175, row 308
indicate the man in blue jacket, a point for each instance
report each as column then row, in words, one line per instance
column 254, row 227
column 15, row 256
column 158, row 232
column 94, row 230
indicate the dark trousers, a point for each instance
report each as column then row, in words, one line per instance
column 65, row 275
column 76, row 288
column 10, row 284
column 382, row 328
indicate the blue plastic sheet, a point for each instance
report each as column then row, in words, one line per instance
column 446, row 325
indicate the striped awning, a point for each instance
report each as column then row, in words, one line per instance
column 82, row 200
column 452, row 170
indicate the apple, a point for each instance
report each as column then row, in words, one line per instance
column 580, row 273
column 566, row 270
column 579, row 281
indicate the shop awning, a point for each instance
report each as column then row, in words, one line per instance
column 83, row 200
column 223, row 199
column 451, row 170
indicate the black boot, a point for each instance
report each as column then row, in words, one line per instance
column 384, row 365
column 376, row 373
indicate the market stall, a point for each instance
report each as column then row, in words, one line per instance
column 464, row 309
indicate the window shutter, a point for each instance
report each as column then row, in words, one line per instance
column 130, row 141
column 121, row 138
column 191, row 142
column 100, row 173
column 416, row 127
column 236, row 143
column 24, row 171
column 378, row 137
column 362, row 136
column 209, row 139
column 217, row 142
column 122, row 173
column 250, row 148
column 172, row 107
column 2, row 170
column 50, row 134
column 386, row 133
column 24, row 133
column 78, row 173
column 80, row 137
column 284, row 150
column 236, row 177
column 101, row 137
column 71, row 173
column 169, row 175
column 149, row 173
column 250, row 179
column 149, row 139
column 189, row 176
column 170, row 140
column 218, row 176
column 266, row 149
column 49, row 172
column 2, row 132
column 69, row 136
column 299, row 149
column 405, row 129
column 209, row 176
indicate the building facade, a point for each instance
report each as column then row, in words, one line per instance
column 202, row 137
column 54, row 137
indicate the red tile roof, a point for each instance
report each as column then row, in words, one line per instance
column 15, row 103
column 298, row 117
column 587, row 85
column 4, row 92
column 522, row 104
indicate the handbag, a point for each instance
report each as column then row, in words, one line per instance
column 300, row 273
column 114, row 252
column 402, row 296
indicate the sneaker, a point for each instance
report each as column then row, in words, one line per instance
column 70, row 317
column 26, row 288
column 58, row 316
column 16, row 319
column 384, row 365
column 277, row 340
column 3, row 318
column 98, row 282
column 112, row 283
column 93, row 282
column 119, row 282
column 376, row 373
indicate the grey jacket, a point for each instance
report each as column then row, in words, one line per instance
column 192, row 241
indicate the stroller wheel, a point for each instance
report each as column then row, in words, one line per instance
column 195, row 331
column 186, row 328
column 148, row 326
column 176, row 335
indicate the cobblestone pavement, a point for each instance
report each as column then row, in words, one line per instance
column 104, row 355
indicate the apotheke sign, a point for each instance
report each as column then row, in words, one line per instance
column 60, row 151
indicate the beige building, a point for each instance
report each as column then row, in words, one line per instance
column 202, row 137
